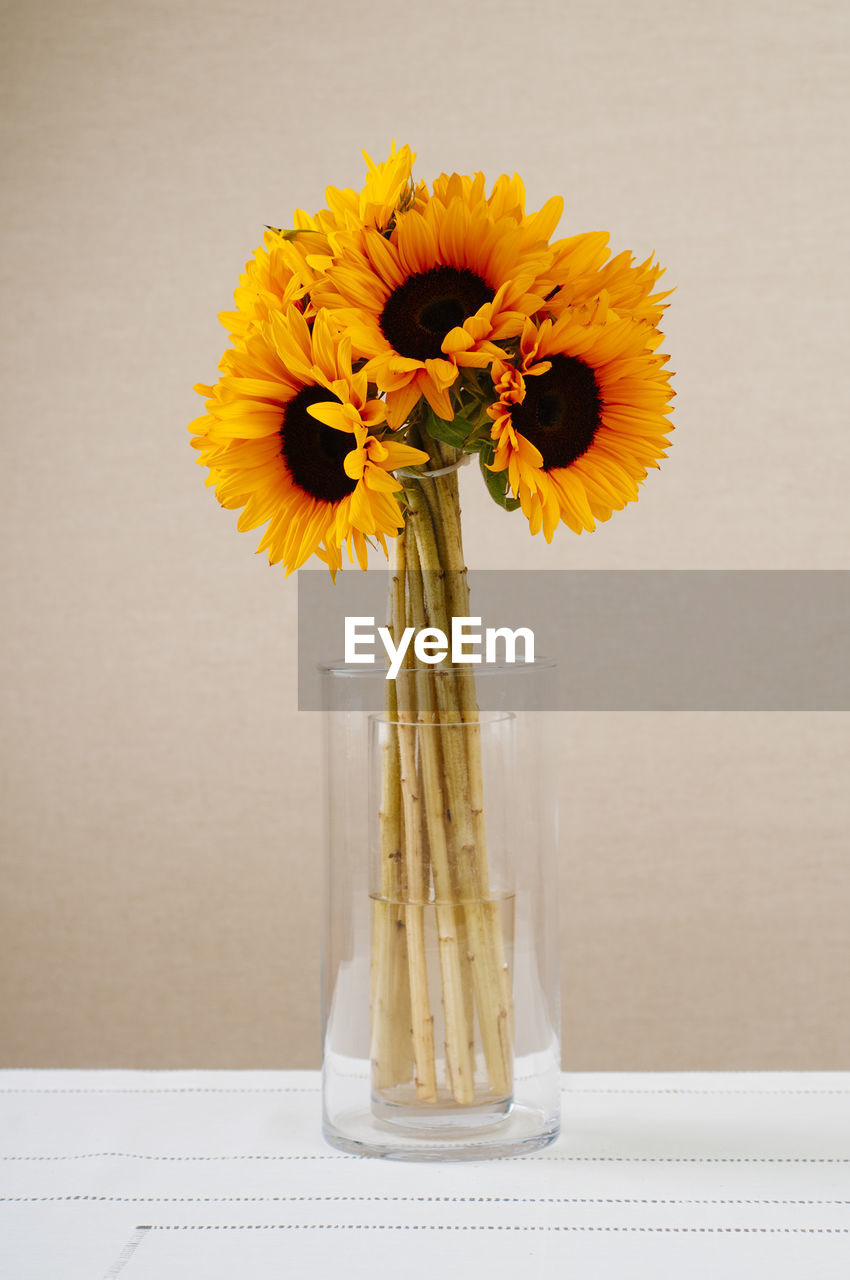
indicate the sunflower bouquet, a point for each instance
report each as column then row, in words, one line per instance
column 375, row 346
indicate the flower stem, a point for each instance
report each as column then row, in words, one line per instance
column 391, row 1048
column 444, row 837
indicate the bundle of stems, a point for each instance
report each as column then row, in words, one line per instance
column 432, row 835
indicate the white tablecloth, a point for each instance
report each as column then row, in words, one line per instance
column 225, row 1176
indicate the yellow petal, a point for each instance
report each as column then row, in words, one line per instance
column 332, row 415
column 378, row 480
column 400, row 403
column 457, row 339
column 354, row 462
column 376, row 449
column 373, row 413
column 417, row 244
column 403, row 455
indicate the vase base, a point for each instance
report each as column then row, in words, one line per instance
column 516, row 1133
column 438, row 1119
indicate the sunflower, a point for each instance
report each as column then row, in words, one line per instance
column 581, row 416
column 581, row 265
column 267, row 284
column 311, row 247
column 452, row 279
column 627, row 285
column 291, row 437
column 388, row 189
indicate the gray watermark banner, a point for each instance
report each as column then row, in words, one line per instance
column 603, row 640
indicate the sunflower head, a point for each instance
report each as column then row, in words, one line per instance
column 314, row 242
column 580, row 418
column 268, row 284
column 586, row 275
column 292, row 438
column 451, row 281
column 388, row 190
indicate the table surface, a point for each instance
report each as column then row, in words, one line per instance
column 224, row 1175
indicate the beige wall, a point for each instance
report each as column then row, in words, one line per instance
column 162, row 811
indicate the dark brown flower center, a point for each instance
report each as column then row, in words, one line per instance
column 314, row 453
column 419, row 313
column 561, row 411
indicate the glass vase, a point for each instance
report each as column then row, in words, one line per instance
column 440, row 1000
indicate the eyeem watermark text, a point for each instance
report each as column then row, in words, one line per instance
column 431, row 645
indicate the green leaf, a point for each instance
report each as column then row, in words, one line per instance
column 496, row 481
column 480, row 444
column 454, row 433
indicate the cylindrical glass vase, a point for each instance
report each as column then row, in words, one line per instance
column 441, row 1005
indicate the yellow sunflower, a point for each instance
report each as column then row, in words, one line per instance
column 267, row 284
column 580, row 417
column 313, row 244
column 388, row 188
column 290, row 437
column 451, row 280
column 586, row 271
column 582, row 266
column 284, row 268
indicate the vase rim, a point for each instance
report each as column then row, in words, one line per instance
column 348, row 670
column 484, row 720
